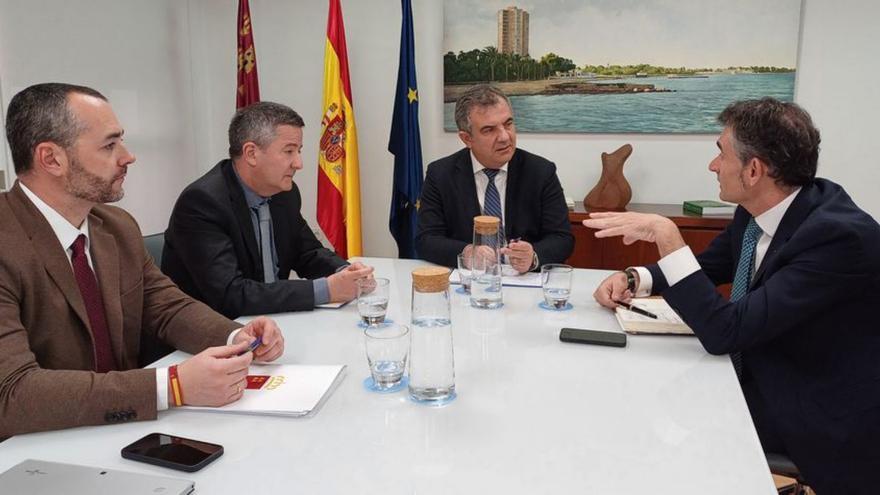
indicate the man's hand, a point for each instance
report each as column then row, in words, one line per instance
column 215, row 376
column 637, row 227
column 521, row 255
column 272, row 346
column 613, row 289
column 343, row 284
column 483, row 252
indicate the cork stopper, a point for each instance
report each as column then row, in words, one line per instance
column 486, row 225
column 430, row 279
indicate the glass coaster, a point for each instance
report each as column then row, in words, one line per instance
column 434, row 403
column 371, row 386
column 544, row 305
column 387, row 321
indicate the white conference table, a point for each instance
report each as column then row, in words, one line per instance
column 533, row 414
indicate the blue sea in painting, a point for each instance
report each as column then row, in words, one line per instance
column 690, row 107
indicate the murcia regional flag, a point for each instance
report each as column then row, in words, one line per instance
column 339, row 201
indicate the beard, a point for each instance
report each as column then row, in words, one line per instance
column 90, row 187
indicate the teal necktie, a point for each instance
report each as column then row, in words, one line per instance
column 743, row 277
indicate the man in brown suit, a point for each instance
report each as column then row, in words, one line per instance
column 78, row 290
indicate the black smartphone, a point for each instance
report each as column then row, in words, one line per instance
column 597, row 337
column 173, row 452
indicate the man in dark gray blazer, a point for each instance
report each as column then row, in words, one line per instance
column 236, row 233
column 491, row 176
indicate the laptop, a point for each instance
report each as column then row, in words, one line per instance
column 35, row 477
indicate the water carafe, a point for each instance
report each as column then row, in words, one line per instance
column 486, row 268
column 431, row 363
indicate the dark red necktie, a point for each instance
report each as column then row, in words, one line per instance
column 88, row 287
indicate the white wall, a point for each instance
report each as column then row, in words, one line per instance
column 168, row 67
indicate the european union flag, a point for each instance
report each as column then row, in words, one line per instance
column 405, row 144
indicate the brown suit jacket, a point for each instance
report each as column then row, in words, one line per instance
column 46, row 349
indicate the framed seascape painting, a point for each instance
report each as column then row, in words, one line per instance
column 620, row 66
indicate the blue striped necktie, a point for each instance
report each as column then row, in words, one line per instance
column 743, row 277
column 492, row 201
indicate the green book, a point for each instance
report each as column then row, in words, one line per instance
column 708, row 207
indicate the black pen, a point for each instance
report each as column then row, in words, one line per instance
column 636, row 309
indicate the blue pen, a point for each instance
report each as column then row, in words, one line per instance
column 253, row 345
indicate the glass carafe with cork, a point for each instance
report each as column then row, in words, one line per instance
column 431, row 362
column 486, row 268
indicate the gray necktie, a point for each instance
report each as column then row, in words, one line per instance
column 266, row 243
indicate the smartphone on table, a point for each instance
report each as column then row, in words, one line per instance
column 183, row 454
column 596, row 337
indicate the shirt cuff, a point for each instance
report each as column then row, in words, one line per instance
column 678, row 264
column 322, row 291
column 232, row 336
column 646, row 282
column 161, row 389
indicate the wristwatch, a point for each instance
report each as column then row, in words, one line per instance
column 631, row 278
column 535, row 262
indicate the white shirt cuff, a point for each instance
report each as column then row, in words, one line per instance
column 678, row 264
column 232, row 336
column 161, row 389
column 646, row 282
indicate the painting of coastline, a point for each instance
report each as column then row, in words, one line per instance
column 615, row 66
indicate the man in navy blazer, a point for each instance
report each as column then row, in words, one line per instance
column 526, row 191
column 801, row 319
column 217, row 248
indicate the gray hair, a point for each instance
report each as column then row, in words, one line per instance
column 481, row 95
column 257, row 123
column 41, row 113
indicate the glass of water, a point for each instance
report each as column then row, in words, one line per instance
column 464, row 272
column 372, row 300
column 387, row 348
column 556, row 282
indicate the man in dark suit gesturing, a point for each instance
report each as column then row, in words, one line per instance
column 800, row 324
column 78, row 290
column 237, row 232
column 491, row 176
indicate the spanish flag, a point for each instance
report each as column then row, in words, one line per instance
column 248, row 90
column 339, row 198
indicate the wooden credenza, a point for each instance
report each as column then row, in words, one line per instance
column 612, row 254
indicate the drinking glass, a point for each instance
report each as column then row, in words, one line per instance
column 387, row 348
column 372, row 300
column 556, row 283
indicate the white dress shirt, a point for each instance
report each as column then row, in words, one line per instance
column 482, row 181
column 682, row 262
column 66, row 233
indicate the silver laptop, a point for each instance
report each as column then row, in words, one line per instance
column 33, row 477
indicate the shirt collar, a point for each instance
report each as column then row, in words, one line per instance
column 478, row 167
column 769, row 220
column 65, row 232
column 253, row 199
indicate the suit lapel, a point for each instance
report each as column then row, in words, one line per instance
column 794, row 216
column 242, row 214
column 514, row 170
column 105, row 260
column 467, row 184
column 45, row 244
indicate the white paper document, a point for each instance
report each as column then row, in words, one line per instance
column 528, row 279
column 283, row 390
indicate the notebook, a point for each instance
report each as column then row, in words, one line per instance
column 667, row 322
column 35, row 477
column 283, row 390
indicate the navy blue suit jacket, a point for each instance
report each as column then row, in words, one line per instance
column 211, row 249
column 534, row 208
column 807, row 329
